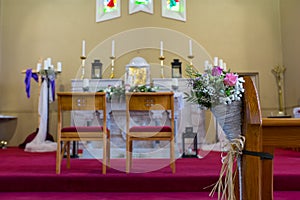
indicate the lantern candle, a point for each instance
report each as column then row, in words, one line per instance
column 174, row 82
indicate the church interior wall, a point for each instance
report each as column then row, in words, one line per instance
column 290, row 31
column 246, row 34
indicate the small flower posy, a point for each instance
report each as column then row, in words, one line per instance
column 213, row 87
column 119, row 90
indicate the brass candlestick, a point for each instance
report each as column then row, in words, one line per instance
column 112, row 75
column 191, row 65
column 83, row 58
column 162, row 58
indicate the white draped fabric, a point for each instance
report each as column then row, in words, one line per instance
column 39, row 143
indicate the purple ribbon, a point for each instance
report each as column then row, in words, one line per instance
column 27, row 80
column 52, row 82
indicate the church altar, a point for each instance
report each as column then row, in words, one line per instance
column 186, row 115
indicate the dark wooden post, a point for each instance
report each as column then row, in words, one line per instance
column 251, row 165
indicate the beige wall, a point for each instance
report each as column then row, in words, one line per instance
column 290, row 29
column 246, row 34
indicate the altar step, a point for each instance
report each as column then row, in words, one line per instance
column 31, row 176
column 108, row 195
column 138, row 153
column 89, row 151
column 278, row 195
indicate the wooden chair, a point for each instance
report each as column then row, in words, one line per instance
column 81, row 101
column 149, row 102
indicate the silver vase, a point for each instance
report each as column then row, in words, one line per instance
column 229, row 117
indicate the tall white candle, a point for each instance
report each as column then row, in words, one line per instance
column 49, row 62
column 59, row 66
column 46, row 66
column 161, row 48
column 215, row 61
column 224, row 66
column 83, row 47
column 221, row 63
column 113, row 48
column 206, row 64
column 191, row 47
column 38, row 67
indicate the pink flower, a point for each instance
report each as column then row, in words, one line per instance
column 230, row 79
column 217, row 71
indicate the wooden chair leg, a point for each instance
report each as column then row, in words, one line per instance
column 130, row 153
column 172, row 155
column 104, row 156
column 58, row 157
column 127, row 155
column 108, row 151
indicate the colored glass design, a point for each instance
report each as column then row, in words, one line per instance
column 109, row 5
column 141, row 2
column 173, row 5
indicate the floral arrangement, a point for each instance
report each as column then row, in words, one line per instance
column 119, row 90
column 213, row 87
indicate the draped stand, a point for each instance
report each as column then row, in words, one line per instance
column 39, row 143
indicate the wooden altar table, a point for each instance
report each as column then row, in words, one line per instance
column 277, row 133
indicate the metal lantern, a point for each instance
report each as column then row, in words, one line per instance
column 176, row 69
column 189, row 134
column 96, row 69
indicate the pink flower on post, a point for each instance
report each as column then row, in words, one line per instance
column 230, row 79
column 217, row 71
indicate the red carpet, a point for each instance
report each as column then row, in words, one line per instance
column 22, row 171
column 32, row 176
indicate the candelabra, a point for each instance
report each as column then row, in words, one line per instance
column 48, row 73
column 83, row 58
column 112, row 75
column 162, row 58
